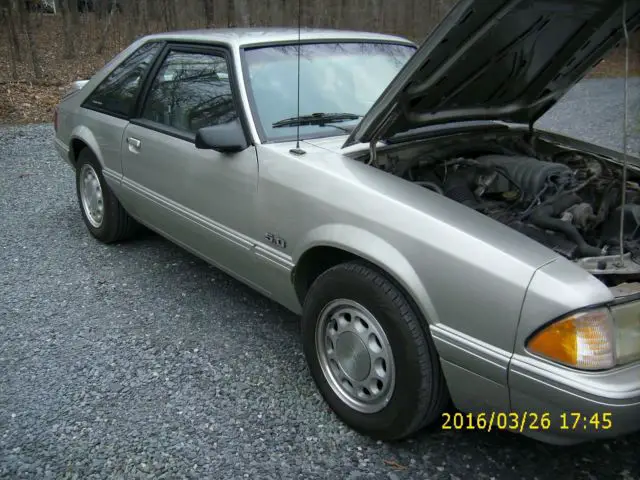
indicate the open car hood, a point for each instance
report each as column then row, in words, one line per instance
column 508, row 60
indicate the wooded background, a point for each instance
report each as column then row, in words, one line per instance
column 42, row 51
column 33, row 36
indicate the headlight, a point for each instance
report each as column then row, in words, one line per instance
column 626, row 320
column 592, row 340
column 584, row 340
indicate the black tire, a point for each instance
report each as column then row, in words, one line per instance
column 420, row 394
column 116, row 223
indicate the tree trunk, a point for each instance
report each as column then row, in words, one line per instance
column 13, row 59
column 241, row 7
column 105, row 32
column 174, row 15
column 144, row 17
column 72, row 8
column 378, row 15
column 231, row 13
column 13, row 28
column 132, row 19
column 408, row 20
column 208, row 12
column 170, row 19
column 63, row 8
column 284, row 20
column 13, row 63
column 25, row 22
column 342, row 13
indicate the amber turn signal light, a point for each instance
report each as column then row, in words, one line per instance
column 584, row 340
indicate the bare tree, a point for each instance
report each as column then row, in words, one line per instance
column 143, row 18
column 72, row 8
column 103, row 38
column 63, row 7
column 13, row 44
column 208, row 12
column 377, row 14
column 170, row 14
column 106, row 36
column 25, row 22
column 231, row 13
column 132, row 20
column 12, row 24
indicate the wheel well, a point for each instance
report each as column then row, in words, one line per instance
column 318, row 260
column 313, row 263
column 77, row 146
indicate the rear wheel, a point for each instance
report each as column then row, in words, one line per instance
column 369, row 354
column 101, row 211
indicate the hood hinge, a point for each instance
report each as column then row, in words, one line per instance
column 373, row 153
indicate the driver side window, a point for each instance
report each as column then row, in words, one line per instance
column 190, row 91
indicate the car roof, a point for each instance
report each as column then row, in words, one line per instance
column 244, row 37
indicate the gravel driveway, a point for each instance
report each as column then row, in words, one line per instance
column 139, row 360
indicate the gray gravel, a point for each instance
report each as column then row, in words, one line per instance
column 594, row 110
column 140, row 361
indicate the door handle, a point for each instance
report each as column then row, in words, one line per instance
column 134, row 142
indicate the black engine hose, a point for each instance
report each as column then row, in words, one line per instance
column 543, row 217
column 457, row 187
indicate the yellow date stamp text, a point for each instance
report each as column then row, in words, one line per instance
column 523, row 421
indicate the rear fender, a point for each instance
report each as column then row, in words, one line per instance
column 86, row 136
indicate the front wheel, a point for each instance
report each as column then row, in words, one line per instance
column 369, row 354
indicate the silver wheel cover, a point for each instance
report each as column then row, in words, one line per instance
column 355, row 356
column 91, row 195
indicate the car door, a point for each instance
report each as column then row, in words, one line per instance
column 201, row 199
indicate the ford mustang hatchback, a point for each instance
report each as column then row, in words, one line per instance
column 438, row 247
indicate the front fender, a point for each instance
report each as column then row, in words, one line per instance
column 469, row 364
column 557, row 288
column 376, row 250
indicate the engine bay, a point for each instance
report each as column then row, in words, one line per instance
column 567, row 200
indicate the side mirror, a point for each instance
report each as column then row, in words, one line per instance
column 224, row 138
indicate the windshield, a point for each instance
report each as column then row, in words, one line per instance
column 334, row 78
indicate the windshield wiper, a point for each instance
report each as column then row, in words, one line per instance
column 320, row 119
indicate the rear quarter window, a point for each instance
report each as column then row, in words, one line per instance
column 118, row 92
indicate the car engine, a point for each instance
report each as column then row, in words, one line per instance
column 568, row 201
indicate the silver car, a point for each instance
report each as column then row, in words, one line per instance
column 439, row 248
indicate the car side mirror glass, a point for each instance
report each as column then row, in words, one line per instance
column 223, row 138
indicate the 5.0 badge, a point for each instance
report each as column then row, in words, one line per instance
column 275, row 239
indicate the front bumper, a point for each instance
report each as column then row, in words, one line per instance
column 573, row 407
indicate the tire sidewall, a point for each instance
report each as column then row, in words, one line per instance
column 396, row 417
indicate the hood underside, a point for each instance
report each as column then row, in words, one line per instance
column 508, row 60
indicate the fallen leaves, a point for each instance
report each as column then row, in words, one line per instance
column 28, row 103
column 30, row 100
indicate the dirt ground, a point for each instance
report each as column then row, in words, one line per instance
column 30, row 100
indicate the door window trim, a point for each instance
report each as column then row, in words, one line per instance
column 162, row 128
column 196, row 48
